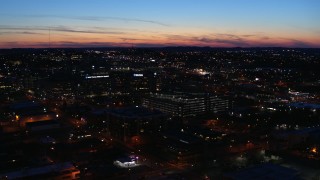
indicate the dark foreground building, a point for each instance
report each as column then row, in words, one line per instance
column 54, row 171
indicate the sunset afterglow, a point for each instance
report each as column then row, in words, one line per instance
column 143, row 23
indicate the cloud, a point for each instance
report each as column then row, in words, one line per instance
column 20, row 32
column 92, row 18
column 62, row 44
column 232, row 40
column 125, row 39
column 229, row 36
column 95, row 18
column 299, row 43
column 237, row 41
column 85, row 44
column 217, row 39
column 29, row 29
column 265, row 38
column 68, row 29
column 73, row 44
column 128, row 37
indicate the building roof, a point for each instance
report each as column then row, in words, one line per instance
column 36, row 113
column 304, row 105
column 22, row 105
column 20, row 174
column 100, row 111
column 135, row 112
column 179, row 97
column 265, row 172
column 304, row 131
column 42, row 123
column 184, row 138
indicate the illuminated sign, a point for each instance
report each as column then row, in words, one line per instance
column 184, row 141
column 97, row 77
column 138, row 75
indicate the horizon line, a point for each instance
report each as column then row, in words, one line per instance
column 157, row 47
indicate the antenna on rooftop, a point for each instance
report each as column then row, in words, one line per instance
column 49, row 38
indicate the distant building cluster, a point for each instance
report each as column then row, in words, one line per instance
column 159, row 113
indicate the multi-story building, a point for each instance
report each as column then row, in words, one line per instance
column 184, row 105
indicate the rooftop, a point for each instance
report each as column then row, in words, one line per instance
column 135, row 112
column 304, row 105
column 264, row 172
column 27, row 172
column 22, row 105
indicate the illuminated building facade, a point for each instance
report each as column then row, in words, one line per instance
column 184, row 105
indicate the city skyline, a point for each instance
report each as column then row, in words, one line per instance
column 245, row 23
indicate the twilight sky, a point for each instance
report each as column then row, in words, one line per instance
column 148, row 23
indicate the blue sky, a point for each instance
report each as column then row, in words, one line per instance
column 223, row 23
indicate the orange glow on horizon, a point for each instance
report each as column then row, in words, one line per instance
column 127, row 39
